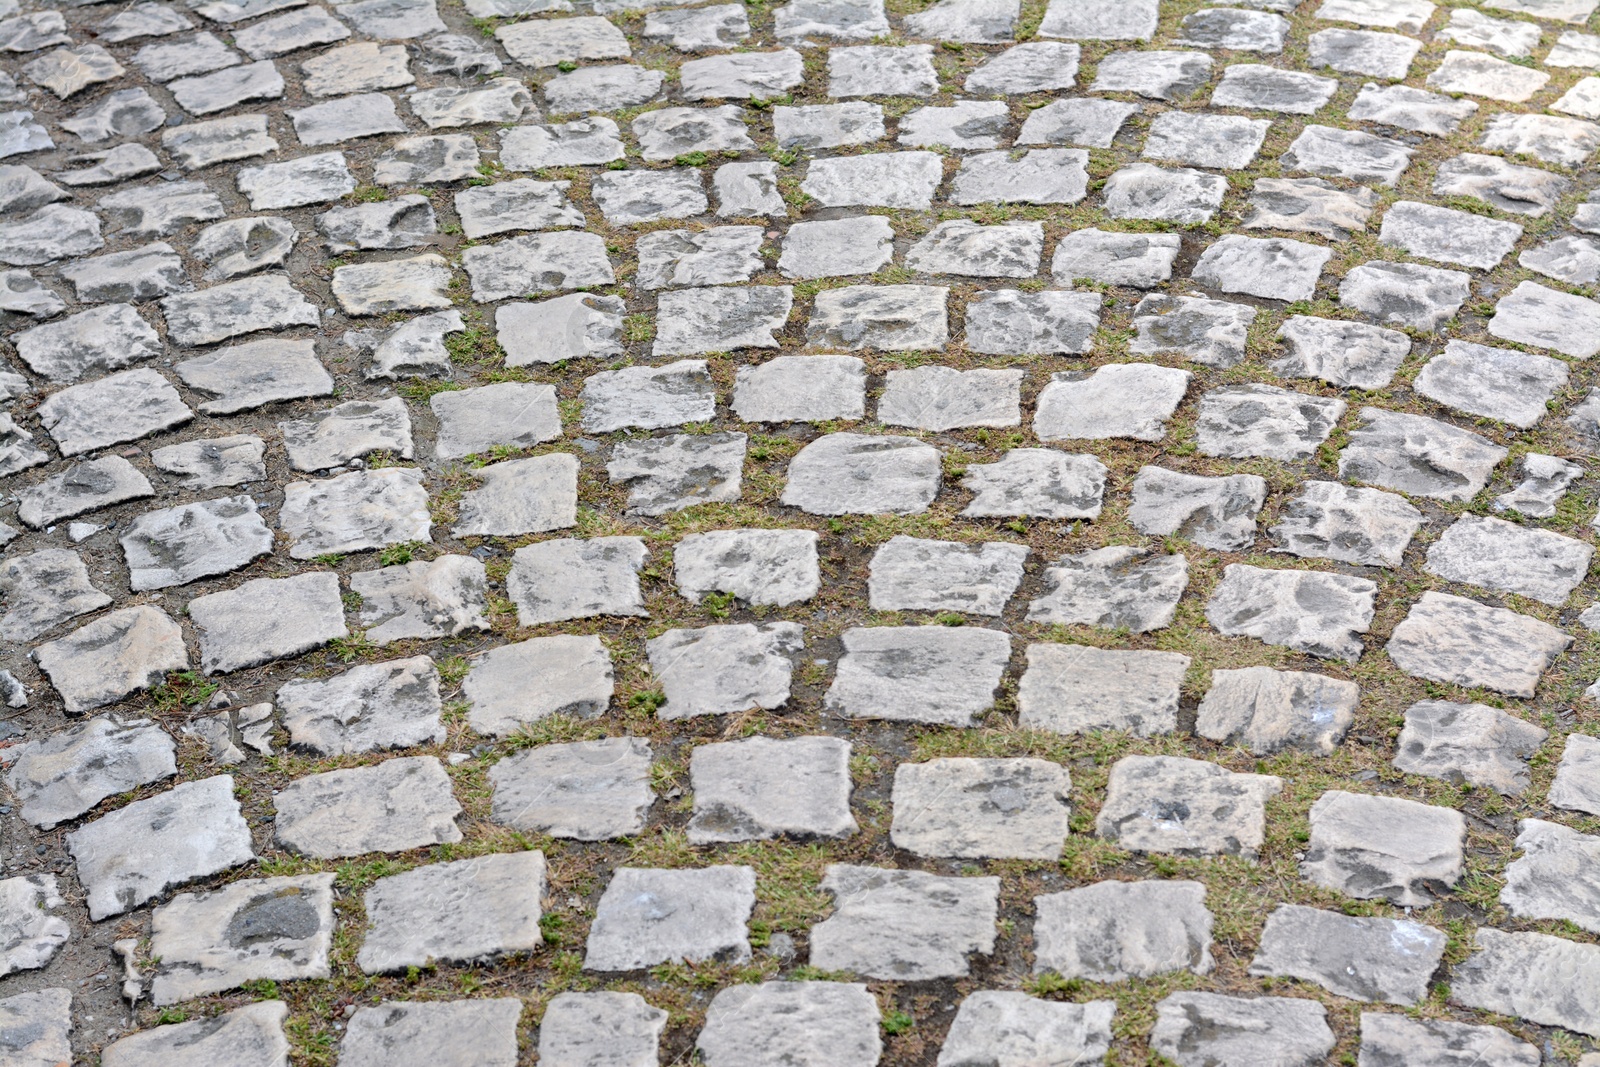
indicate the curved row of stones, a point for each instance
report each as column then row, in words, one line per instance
column 183, row 335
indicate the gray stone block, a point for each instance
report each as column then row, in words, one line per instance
column 1458, row 641
column 267, row 619
column 1265, row 710
column 588, row 790
column 1217, row 512
column 1212, row 1030
column 1185, row 807
column 1114, row 931
column 791, row 1024
column 468, row 911
column 393, row 806
column 646, row 917
column 758, row 789
column 433, row 1034
column 66, row 774
column 726, row 669
column 929, row 674
column 1079, row 689
column 1385, row 848
column 981, row 808
column 1368, row 959
column 901, row 925
column 1114, row 587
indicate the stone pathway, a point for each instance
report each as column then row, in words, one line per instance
column 799, row 533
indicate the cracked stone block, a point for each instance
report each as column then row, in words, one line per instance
column 1448, row 236
column 699, row 29
column 991, row 1026
column 719, row 256
column 1553, row 878
column 1011, row 322
column 774, row 1024
column 1112, row 931
column 536, row 263
column 1220, row 142
column 964, row 247
column 368, row 708
column 1132, row 400
column 943, row 398
column 83, row 487
column 137, row 274
column 62, row 776
column 119, row 407
column 251, row 1036
column 31, row 934
column 967, row 124
column 1315, row 612
column 1533, row 314
column 1196, row 1029
column 1265, row 710
column 610, row 1029
column 265, row 302
column 578, row 326
column 1216, row 512
column 1145, row 191
column 1577, row 782
column 875, row 179
column 113, row 657
column 646, row 917
column 1156, row 75
column 1477, row 74
column 777, row 567
column 411, row 1034
column 1380, row 55
column 266, row 619
column 254, row 374
column 493, row 909
column 37, row 1026
column 512, row 685
column 334, row 436
column 1504, row 556
column 353, row 512
column 1545, row 481
column 1537, row 977
column 139, row 851
column 176, row 546
column 588, row 790
column 723, row 670
column 1384, row 848
column 1205, row 331
column 520, row 496
column 1332, row 521
column 1100, row 20
column 515, row 414
column 271, row 929
column 1348, row 354
column 930, row 674
column 1418, row 455
column 43, row 589
column 1273, row 268
column 903, row 925
column 1460, row 642
column 569, row 578
column 1142, row 261
column 1524, row 190
column 1388, row 1038
column 649, row 398
column 1081, row 122
column 1335, row 153
column 1575, row 260
column 1037, row 482
column 801, row 389
column 1261, row 88
column 981, row 808
column 393, row 806
column 882, row 317
column 1035, row 176
column 912, row 574
column 692, row 322
column 1243, row 421
column 856, row 474
column 1311, row 205
column 759, row 789
column 240, row 246
column 665, row 474
column 1185, row 807
column 824, row 125
column 1115, row 587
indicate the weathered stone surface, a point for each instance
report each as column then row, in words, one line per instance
column 123, row 113
column 1132, row 400
column 412, row 1034
column 588, row 790
column 649, row 398
column 646, row 917
column 1411, row 109
column 1577, row 782
column 119, row 407
column 137, row 852
column 758, row 566
column 1135, row 259
column 83, row 487
column 1099, row 20
column 1273, row 268
column 113, row 657
column 573, row 579
column 1310, row 611
column 521, row 683
column 513, row 414
column 630, row 197
column 356, row 511
column 1037, row 176
column 467, row 911
column 1461, row 642
column 1385, row 848
column 698, row 29
column 1157, row 75
column 1538, row 977
column 885, row 317
column 30, row 935
column 1418, row 455
column 1115, row 587
column 693, row 321
column 536, row 263
column 585, row 141
column 443, row 597
column 1217, row 512
column 1145, row 191
column 1186, row 807
column 994, row 1026
column 837, row 247
column 1220, row 142
column 665, row 474
column 240, row 246
column 1331, row 152
column 547, row 42
column 1404, row 294
column 758, row 789
column 1448, row 236
column 1332, row 521
column 137, row 274
column 37, row 1027
column 1524, row 190
column 1085, row 122
column 967, row 124
column 879, row 179
column 716, row 256
column 201, row 144
column 1533, row 314
column 1502, row 555
column 1482, row 75
column 942, row 398
column 1242, row 421
column 1389, row 1040
column 604, row 1029
column 266, row 619
column 251, row 1036
column 62, row 776
column 931, row 674
column 720, row 670
column 1309, row 204
column 1514, row 387
column 1381, row 55
column 367, row 708
column 902, row 925
column 520, row 496
column 981, row 808
column 1575, row 260
column 909, row 573
column 1011, row 322
column 393, row 806
column 1265, row 710
column 1210, row 332
column 1197, row 1029
column 847, row 473
column 1037, row 482
column 176, row 546
column 803, row 1024
column 43, row 589
column 265, row 302
column 1554, row 878
column 1114, row 931
column 332, row 437
column 1545, row 481
column 1368, row 959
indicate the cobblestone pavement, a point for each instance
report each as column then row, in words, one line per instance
column 802, row 534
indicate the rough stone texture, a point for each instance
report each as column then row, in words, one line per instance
column 1577, row 782
column 1369, row 959
column 908, row 573
column 777, row 567
column 68, row 773
column 1332, row 521
column 573, row 579
column 588, row 790
column 904, row 925
column 475, row 909
column 43, row 589
column 1310, row 611
column 1418, row 455
column 724, row 670
column 1114, row 931
column 1541, row 978
column 1501, row 555
column 1514, row 387
column 369, row 707
column 918, row 673
column 1185, row 807
column 601, row 1029
column 1200, row 1029
column 410, row 1034
column 855, row 474
column 1116, row 587
column 791, row 1024
column 1079, row 689
column 1243, row 421
column 1470, row 743
column 1076, row 404
column 1384, row 848
column 30, row 935
column 1462, row 642
column 1388, row 1040
column 251, row 1036
column 443, row 597
column 393, row 806
column 37, row 1026
column 999, row 1027
column 113, row 657
column 266, row 619
column 1264, row 710
column 758, row 789
column 977, row 808
column 1217, row 512
column 646, row 917
column 1037, row 482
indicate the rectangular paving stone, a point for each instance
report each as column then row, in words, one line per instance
column 1500, row 555
column 1385, row 848
column 1537, row 977
column 469, row 911
column 1458, row 641
column 573, row 579
column 909, row 573
column 582, row 1029
column 251, row 1036
column 1200, row 1029
column 1514, row 387
column 1076, row 689
column 113, row 657
column 1185, row 807
column 267, row 619
column 759, row 788
column 1368, row 959
column 1333, row 521
column 587, row 790
column 1265, row 710
column 981, row 808
column 1112, row 931
column 931, row 674
column 512, row 685
column 904, row 925
column 369, row 707
column 1577, row 782
column 120, row 407
column 777, row 1023
column 1418, row 455
column 991, row 1023
column 433, row 1034
column 647, row 916
column 393, row 806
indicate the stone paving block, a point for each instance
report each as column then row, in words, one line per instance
column 1527, row 191
column 630, row 197
column 1037, row 176
column 1083, row 122
column 777, row 567
column 1309, row 204
column 1481, row 75
column 1387, row 1038
column 610, row 1029
column 117, row 655
column 1404, row 294
column 1331, row 152
column 1566, row 259
column 139, row 851
column 1195, row 1029
column 535, row 264
column 43, row 589
column 1533, row 314
column 443, row 597
column 856, row 474
column 1418, row 455
column 30, row 936
column 1156, row 75
column 1037, row 482
column 138, row 274
column 251, row 1036
column 1265, row 710
column 1143, row 261
column 1115, row 587
column 915, row 574
column 1079, row 689
column 516, row 205
column 699, row 29
column 694, row 321
column 1001, row 1027
column 266, row 619
column 533, row 495
column 82, row 487
column 1112, row 931
column 1243, row 421
column 1380, row 55
column 963, row 247
column 1554, row 877
column 1514, row 387
column 878, row 179
column 665, row 474
column 1448, row 236
column 416, row 284
column 1217, row 512
column 573, row 579
column 240, row 246
column 1075, row 404
column 710, row 257
column 930, row 674
column 1262, row 88
column 649, row 398
column 758, row 789
column 881, row 70
column 1384, row 848
column 393, row 806
column 825, row 125
column 902, row 925
column 1332, row 521
column 448, row 1034
column 66, row 774
column 646, row 917
column 1315, row 612
column 120, row 407
column 1501, row 555
column 1562, row 142
column 514, row 414
column 332, row 437
column 884, row 317
column 38, row 1026
column 588, row 790
column 967, row 124
column 1458, row 641
column 367, row 708
column 350, row 513
column 1176, row 194
column 1185, row 807
column 1577, row 782
column 471, row 910
column 521, row 683
column 1210, row 332
column 419, row 160
column 1271, row 268
column 791, row 1024
column 1411, row 109
column 271, row 929
column 1545, row 481
column 1221, row 142
column 265, row 302
column 176, row 546
column 1367, row 959
column 1011, row 322
column 564, row 327
column 981, row 808
column 1538, row 977
column 723, row 670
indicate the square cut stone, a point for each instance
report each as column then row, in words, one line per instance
column 826, row 125
column 1537, row 977
column 1481, row 75
column 800, row 21
column 516, row 205
column 1522, row 190
column 1471, row 743
column 265, row 302
column 649, row 398
column 1264, row 710
column 603, row 1029
column 1404, row 294
column 1242, row 421
column 1222, row 142
column 1132, row 400
column 266, row 619
column 718, row 256
column 535, row 264
column 1116, row 587
column 1145, row 191
column 976, row 21
column 929, row 674
column 1083, row 122
column 1233, row 28
column 113, row 657
column 120, row 407
column 1315, row 612
column 547, row 42
column 646, row 917
column 443, row 597
column 577, row 326
column 1389, row 1037
column 139, row 851
column 176, row 546
column 874, row 179
column 519, row 496
column 361, row 510
column 758, row 789
column 590, row 141
column 1554, row 876
column 251, row 375
column 393, row 806
column 257, row 929
column 1037, row 482
column 1156, row 75
column 801, row 389
column 1380, row 55
column 607, row 88
column 464, row 912
column 513, row 685
column 370, row 707
column 882, row 70
column 1411, row 109
column 568, row 578
column 1577, row 782
column 1113, row 931
column 981, row 808
column 836, row 248
column 627, row 198
column 38, row 1027
column 1272, row 268
column 1533, row 314
column 1448, row 236
column 1363, row 958
column 887, row 318
column 964, row 247
column 1262, row 88
column 1461, row 642
column 1026, row 176
column 991, row 1024
column 1575, row 260
column 779, row 1023
column 1311, row 205
column 1340, row 353
column 724, row 670
column 1142, row 261
column 1332, row 521
column 666, row 474
column 43, row 589
column 412, row 1034
column 1205, row 1029
column 427, row 160
column 82, row 487
column 1384, row 848
column 1185, row 807
column 1335, row 153
column 1201, row 330
column 1560, row 142
column 776, row 567
column 900, row 925
column 858, row 474
column 332, row 437
column 68, row 773
column 967, row 124
column 909, row 573
column 943, row 398
column 1419, row 456
column 586, row 790
column 1218, row 512
column 1506, row 557
column 251, row 1036
column 1100, row 20
column 1079, row 689
column 693, row 321
column 512, row 414
column 699, row 29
